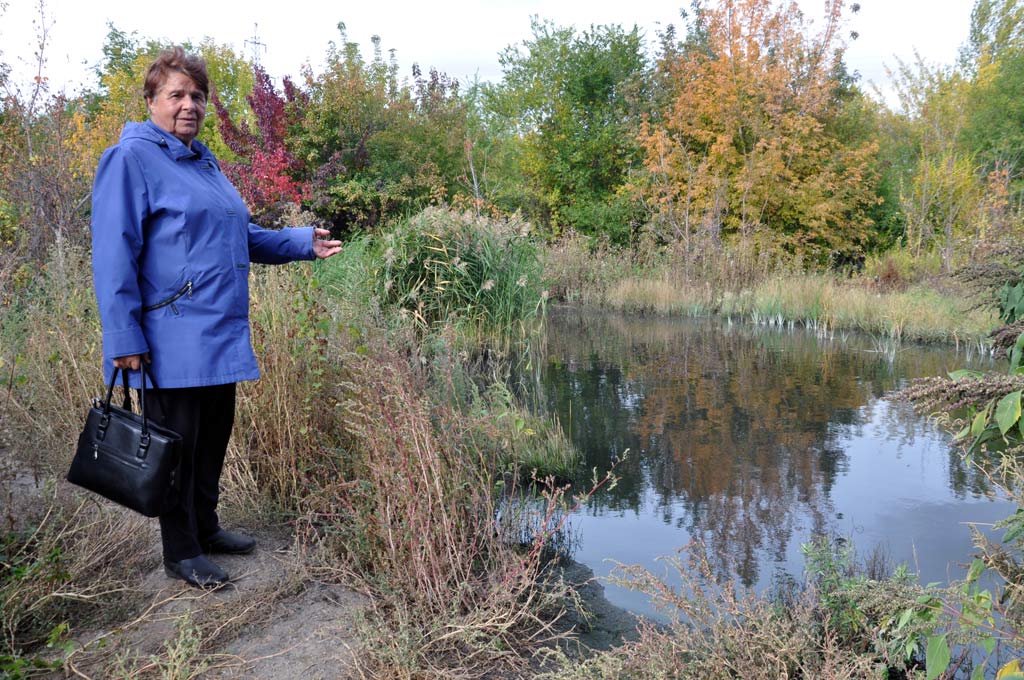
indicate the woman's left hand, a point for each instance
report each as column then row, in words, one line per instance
column 323, row 248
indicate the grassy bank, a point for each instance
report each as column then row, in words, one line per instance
column 374, row 437
column 924, row 307
column 382, row 440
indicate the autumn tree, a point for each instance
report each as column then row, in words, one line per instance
column 745, row 150
column 116, row 98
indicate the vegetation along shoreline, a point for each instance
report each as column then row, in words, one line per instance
column 417, row 508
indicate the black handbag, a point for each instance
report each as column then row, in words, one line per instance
column 124, row 457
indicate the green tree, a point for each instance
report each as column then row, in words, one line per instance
column 574, row 101
column 383, row 147
column 994, row 59
column 943, row 195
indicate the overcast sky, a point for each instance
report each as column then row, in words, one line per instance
column 460, row 37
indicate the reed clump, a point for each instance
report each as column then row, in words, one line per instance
column 891, row 300
column 443, row 267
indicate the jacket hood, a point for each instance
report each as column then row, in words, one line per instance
column 150, row 132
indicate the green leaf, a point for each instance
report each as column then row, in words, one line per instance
column 962, row 433
column 983, row 438
column 979, row 423
column 1013, row 301
column 1008, row 411
column 936, row 656
column 964, row 374
column 1015, row 525
column 1010, row 671
column 1016, row 353
column 988, row 643
column 904, row 618
column 977, row 567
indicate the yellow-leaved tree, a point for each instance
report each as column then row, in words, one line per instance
column 118, row 98
column 745, row 150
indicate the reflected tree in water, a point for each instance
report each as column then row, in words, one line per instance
column 731, row 429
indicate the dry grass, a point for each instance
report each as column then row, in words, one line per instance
column 179, row 634
column 915, row 314
column 900, row 307
column 352, row 435
column 286, row 423
column 662, row 295
column 417, row 526
column 67, row 559
column 718, row 631
column 54, row 336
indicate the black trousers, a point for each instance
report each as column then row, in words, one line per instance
column 203, row 416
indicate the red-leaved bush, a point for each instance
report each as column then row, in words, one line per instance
column 268, row 173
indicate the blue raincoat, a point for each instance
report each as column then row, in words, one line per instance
column 171, row 247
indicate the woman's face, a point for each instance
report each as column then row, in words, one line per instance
column 179, row 107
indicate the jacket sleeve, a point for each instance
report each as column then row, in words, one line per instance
column 119, row 210
column 272, row 246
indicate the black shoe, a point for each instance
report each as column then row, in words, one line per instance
column 198, row 571
column 227, row 543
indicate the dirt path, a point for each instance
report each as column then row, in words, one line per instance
column 272, row 621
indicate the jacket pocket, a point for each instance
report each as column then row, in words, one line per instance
column 170, row 301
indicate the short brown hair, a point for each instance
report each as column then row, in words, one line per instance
column 175, row 59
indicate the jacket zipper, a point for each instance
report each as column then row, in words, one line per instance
column 185, row 290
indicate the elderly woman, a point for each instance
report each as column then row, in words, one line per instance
column 172, row 243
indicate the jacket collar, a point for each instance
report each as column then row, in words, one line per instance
column 174, row 147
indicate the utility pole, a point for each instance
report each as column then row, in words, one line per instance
column 256, row 44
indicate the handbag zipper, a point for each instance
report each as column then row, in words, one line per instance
column 185, row 290
column 111, row 452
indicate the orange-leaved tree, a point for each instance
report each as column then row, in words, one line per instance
column 743, row 149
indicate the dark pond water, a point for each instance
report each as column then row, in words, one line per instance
column 755, row 439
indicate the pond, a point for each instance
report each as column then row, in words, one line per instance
column 754, row 439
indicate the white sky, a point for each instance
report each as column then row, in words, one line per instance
column 460, row 37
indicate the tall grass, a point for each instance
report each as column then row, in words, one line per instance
column 660, row 295
column 919, row 313
column 416, row 522
column 52, row 335
column 353, row 437
column 483, row 275
column 287, row 425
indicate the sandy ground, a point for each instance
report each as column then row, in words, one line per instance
column 268, row 623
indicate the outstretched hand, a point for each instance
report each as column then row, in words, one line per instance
column 323, row 248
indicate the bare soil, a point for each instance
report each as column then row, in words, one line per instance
column 269, row 622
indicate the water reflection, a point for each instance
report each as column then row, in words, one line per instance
column 750, row 437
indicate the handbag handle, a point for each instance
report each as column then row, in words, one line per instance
column 101, row 430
